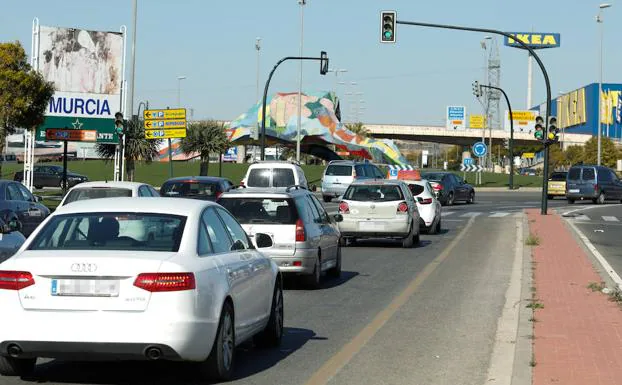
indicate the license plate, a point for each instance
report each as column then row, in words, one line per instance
column 85, row 287
column 376, row 226
column 36, row 213
column 574, row 191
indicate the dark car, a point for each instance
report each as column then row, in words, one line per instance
column 450, row 188
column 598, row 183
column 10, row 237
column 51, row 176
column 196, row 187
column 15, row 199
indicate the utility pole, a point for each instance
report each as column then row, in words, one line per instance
column 298, row 129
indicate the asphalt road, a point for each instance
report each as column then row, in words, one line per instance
column 602, row 225
column 397, row 316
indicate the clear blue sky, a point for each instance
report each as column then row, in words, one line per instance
column 411, row 82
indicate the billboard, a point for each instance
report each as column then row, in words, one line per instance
column 524, row 121
column 535, row 40
column 456, row 117
column 86, row 68
column 477, row 121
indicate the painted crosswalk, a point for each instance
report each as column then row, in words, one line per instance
column 471, row 214
column 586, row 218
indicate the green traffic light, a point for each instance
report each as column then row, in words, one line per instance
column 388, row 34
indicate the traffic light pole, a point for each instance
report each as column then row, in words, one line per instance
column 533, row 53
column 265, row 96
column 511, row 142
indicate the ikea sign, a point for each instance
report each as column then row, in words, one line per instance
column 535, row 40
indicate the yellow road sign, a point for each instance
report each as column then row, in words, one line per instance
column 164, row 124
column 524, row 115
column 477, row 121
column 165, row 134
column 529, row 155
column 175, row 113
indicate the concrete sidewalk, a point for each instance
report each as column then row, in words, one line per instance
column 576, row 329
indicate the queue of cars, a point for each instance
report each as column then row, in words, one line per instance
column 192, row 279
column 586, row 182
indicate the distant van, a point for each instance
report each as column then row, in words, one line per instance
column 598, row 183
column 340, row 173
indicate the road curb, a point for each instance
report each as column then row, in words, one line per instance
column 522, row 373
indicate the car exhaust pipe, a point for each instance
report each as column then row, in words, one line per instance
column 153, row 353
column 14, row 350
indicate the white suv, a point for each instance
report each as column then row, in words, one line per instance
column 269, row 174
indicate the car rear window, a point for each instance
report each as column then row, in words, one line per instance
column 379, row 193
column 83, row 193
column 574, row 173
column 111, row 231
column 416, row 189
column 279, row 211
column 259, row 177
column 338, row 170
column 434, row 177
column 283, row 177
column 588, row 174
column 558, row 176
column 194, row 189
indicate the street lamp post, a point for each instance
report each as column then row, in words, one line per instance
column 599, row 19
column 170, row 144
column 258, row 48
column 302, row 4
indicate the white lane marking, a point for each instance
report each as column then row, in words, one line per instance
column 610, row 219
column 447, row 213
column 502, row 360
column 584, row 208
column 499, row 215
column 582, row 217
column 471, row 214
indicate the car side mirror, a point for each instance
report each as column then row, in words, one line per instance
column 263, row 241
column 38, row 198
column 338, row 218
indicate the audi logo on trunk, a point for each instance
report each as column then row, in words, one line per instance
column 84, row 267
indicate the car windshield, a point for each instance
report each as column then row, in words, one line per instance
column 338, row 170
column 111, row 231
column 381, row 193
column 558, row 176
column 189, row 188
column 280, row 211
column 432, row 176
column 82, row 193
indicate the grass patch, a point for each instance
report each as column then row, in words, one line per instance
column 532, row 363
column 535, row 305
column 594, row 286
column 616, row 296
column 532, row 240
column 533, row 319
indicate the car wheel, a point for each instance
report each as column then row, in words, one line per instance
column 601, row 198
column 408, row 242
column 434, row 228
column 272, row 335
column 416, row 240
column 471, row 199
column 327, row 199
column 220, row 363
column 549, row 197
column 570, row 201
column 10, row 366
column 450, row 199
column 38, row 187
column 438, row 226
column 313, row 280
column 335, row 272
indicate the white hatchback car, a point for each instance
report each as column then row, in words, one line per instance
column 193, row 295
column 429, row 207
column 381, row 208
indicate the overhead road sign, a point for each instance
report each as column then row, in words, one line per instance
column 456, row 117
column 477, row 121
column 480, row 149
column 165, row 134
column 71, row 135
column 175, row 113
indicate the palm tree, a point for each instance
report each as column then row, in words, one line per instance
column 358, row 129
column 136, row 147
column 205, row 137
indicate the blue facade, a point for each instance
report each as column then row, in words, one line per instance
column 587, row 110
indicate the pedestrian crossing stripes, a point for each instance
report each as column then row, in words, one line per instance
column 499, row 215
column 610, row 219
column 493, row 214
column 585, row 218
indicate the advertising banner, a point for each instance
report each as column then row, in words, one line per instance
column 86, row 68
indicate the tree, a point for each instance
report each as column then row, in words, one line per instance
column 358, row 129
column 205, row 137
column 609, row 152
column 556, row 157
column 573, row 154
column 136, row 147
column 24, row 94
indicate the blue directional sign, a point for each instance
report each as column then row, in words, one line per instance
column 480, row 149
column 467, row 161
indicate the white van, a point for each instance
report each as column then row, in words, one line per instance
column 269, row 174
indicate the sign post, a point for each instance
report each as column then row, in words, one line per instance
column 166, row 124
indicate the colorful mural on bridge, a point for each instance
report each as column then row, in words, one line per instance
column 319, row 125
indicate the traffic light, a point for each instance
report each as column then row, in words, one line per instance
column 539, row 134
column 477, row 89
column 387, row 26
column 323, row 63
column 118, row 122
column 553, row 135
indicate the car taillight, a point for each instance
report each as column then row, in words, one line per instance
column 438, row 187
column 426, row 201
column 15, row 280
column 218, row 194
column 300, row 231
column 157, row 282
column 241, row 183
column 596, row 187
column 402, row 207
column 344, row 208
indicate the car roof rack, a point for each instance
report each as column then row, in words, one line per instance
column 277, row 161
column 296, row 187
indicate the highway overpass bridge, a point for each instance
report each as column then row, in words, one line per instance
column 440, row 134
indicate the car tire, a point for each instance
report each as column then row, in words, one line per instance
column 408, row 242
column 417, row 240
column 327, row 199
column 38, row 187
column 17, row 367
column 313, row 280
column 335, row 272
column 550, row 197
column 439, row 227
column 601, row 199
column 272, row 335
column 435, row 228
column 570, row 201
column 471, row 199
column 220, row 364
column 450, row 199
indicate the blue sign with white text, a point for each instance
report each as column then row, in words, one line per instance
column 467, row 161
